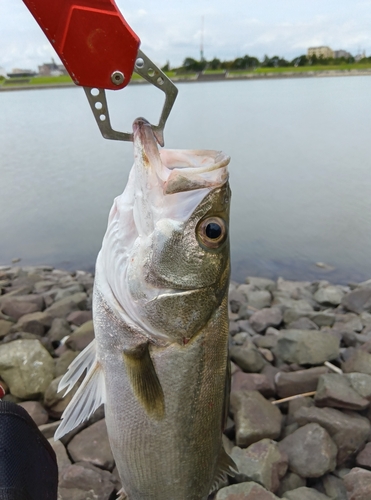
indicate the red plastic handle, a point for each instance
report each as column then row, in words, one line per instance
column 92, row 39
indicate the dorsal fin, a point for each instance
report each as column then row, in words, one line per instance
column 144, row 380
column 89, row 396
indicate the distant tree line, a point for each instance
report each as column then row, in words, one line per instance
column 250, row 63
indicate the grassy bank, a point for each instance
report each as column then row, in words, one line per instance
column 174, row 75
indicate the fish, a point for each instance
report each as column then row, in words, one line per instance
column 159, row 360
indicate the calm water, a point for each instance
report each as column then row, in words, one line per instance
column 300, row 171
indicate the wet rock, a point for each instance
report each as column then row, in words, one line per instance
column 60, row 328
column 81, row 337
column 359, row 361
column 307, row 347
column 247, row 357
column 302, row 324
column 262, row 462
column 64, row 307
column 255, row 417
column 290, row 482
column 78, row 318
column 361, row 383
column 358, row 300
column 349, row 431
column 92, row 445
column 5, row 327
column 15, row 307
column 311, row 451
column 253, row 382
column 335, row 390
column 245, row 491
column 84, row 481
column 304, row 493
column 364, row 457
column 264, row 318
column 358, row 484
column 63, row 362
column 301, row 381
column 36, row 411
column 27, row 368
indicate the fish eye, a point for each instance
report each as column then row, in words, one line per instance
column 212, row 232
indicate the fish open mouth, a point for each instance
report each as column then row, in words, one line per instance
column 179, row 170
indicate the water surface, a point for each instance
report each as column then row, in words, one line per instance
column 300, row 171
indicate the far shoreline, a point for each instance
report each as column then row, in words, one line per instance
column 216, row 77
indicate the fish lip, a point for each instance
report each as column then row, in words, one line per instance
column 145, row 131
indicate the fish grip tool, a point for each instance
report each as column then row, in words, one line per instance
column 100, row 52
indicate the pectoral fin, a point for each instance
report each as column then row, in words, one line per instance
column 144, row 380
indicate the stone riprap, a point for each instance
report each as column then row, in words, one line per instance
column 286, row 338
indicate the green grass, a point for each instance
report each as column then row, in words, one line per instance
column 43, row 80
column 214, row 71
column 322, row 67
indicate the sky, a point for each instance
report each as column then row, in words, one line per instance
column 170, row 30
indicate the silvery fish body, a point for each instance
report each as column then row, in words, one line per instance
column 159, row 360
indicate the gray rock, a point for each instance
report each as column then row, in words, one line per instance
column 261, row 283
column 43, row 286
column 92, row 445
column 294, row 405
column 36, row 411
column 361, row 383
column 335, row 390
column 334, row 487
column 298, row 309
column 323, row 318
column 63, row 362
column 84, row 481
column 301, row 381
column 311, row 451
column 15, row 307
column 358, row 300
column 329, row 295
column 290, row 482
column 240, row 338
column 5, row 327
column 358, row 484
column 304, row 493
column 348, row 322
column 64, row 307
column 247, row 357
column 264, row 318
column 245, row 491
column 307, row 347
column 259, row 299
column 364, row 457
column 302, row 324
column 72, row 289
column 349, row 431
column 78, row 318
column 27, row 368
column 255, row 417
column 266, row 341
column 61, row 454
column 81, row 337
column 60, row 328
column 261, row 462
column 359, row 361
column 55, row 402
column 48, row 430
column 236, row 300
column 36, row 323
column 253, row 382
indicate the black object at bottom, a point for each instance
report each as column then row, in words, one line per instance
column 28, row 465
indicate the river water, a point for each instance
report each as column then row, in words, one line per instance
column 300, row 171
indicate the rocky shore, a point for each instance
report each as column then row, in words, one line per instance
column 300, row 416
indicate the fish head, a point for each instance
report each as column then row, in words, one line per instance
column 165, row 255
